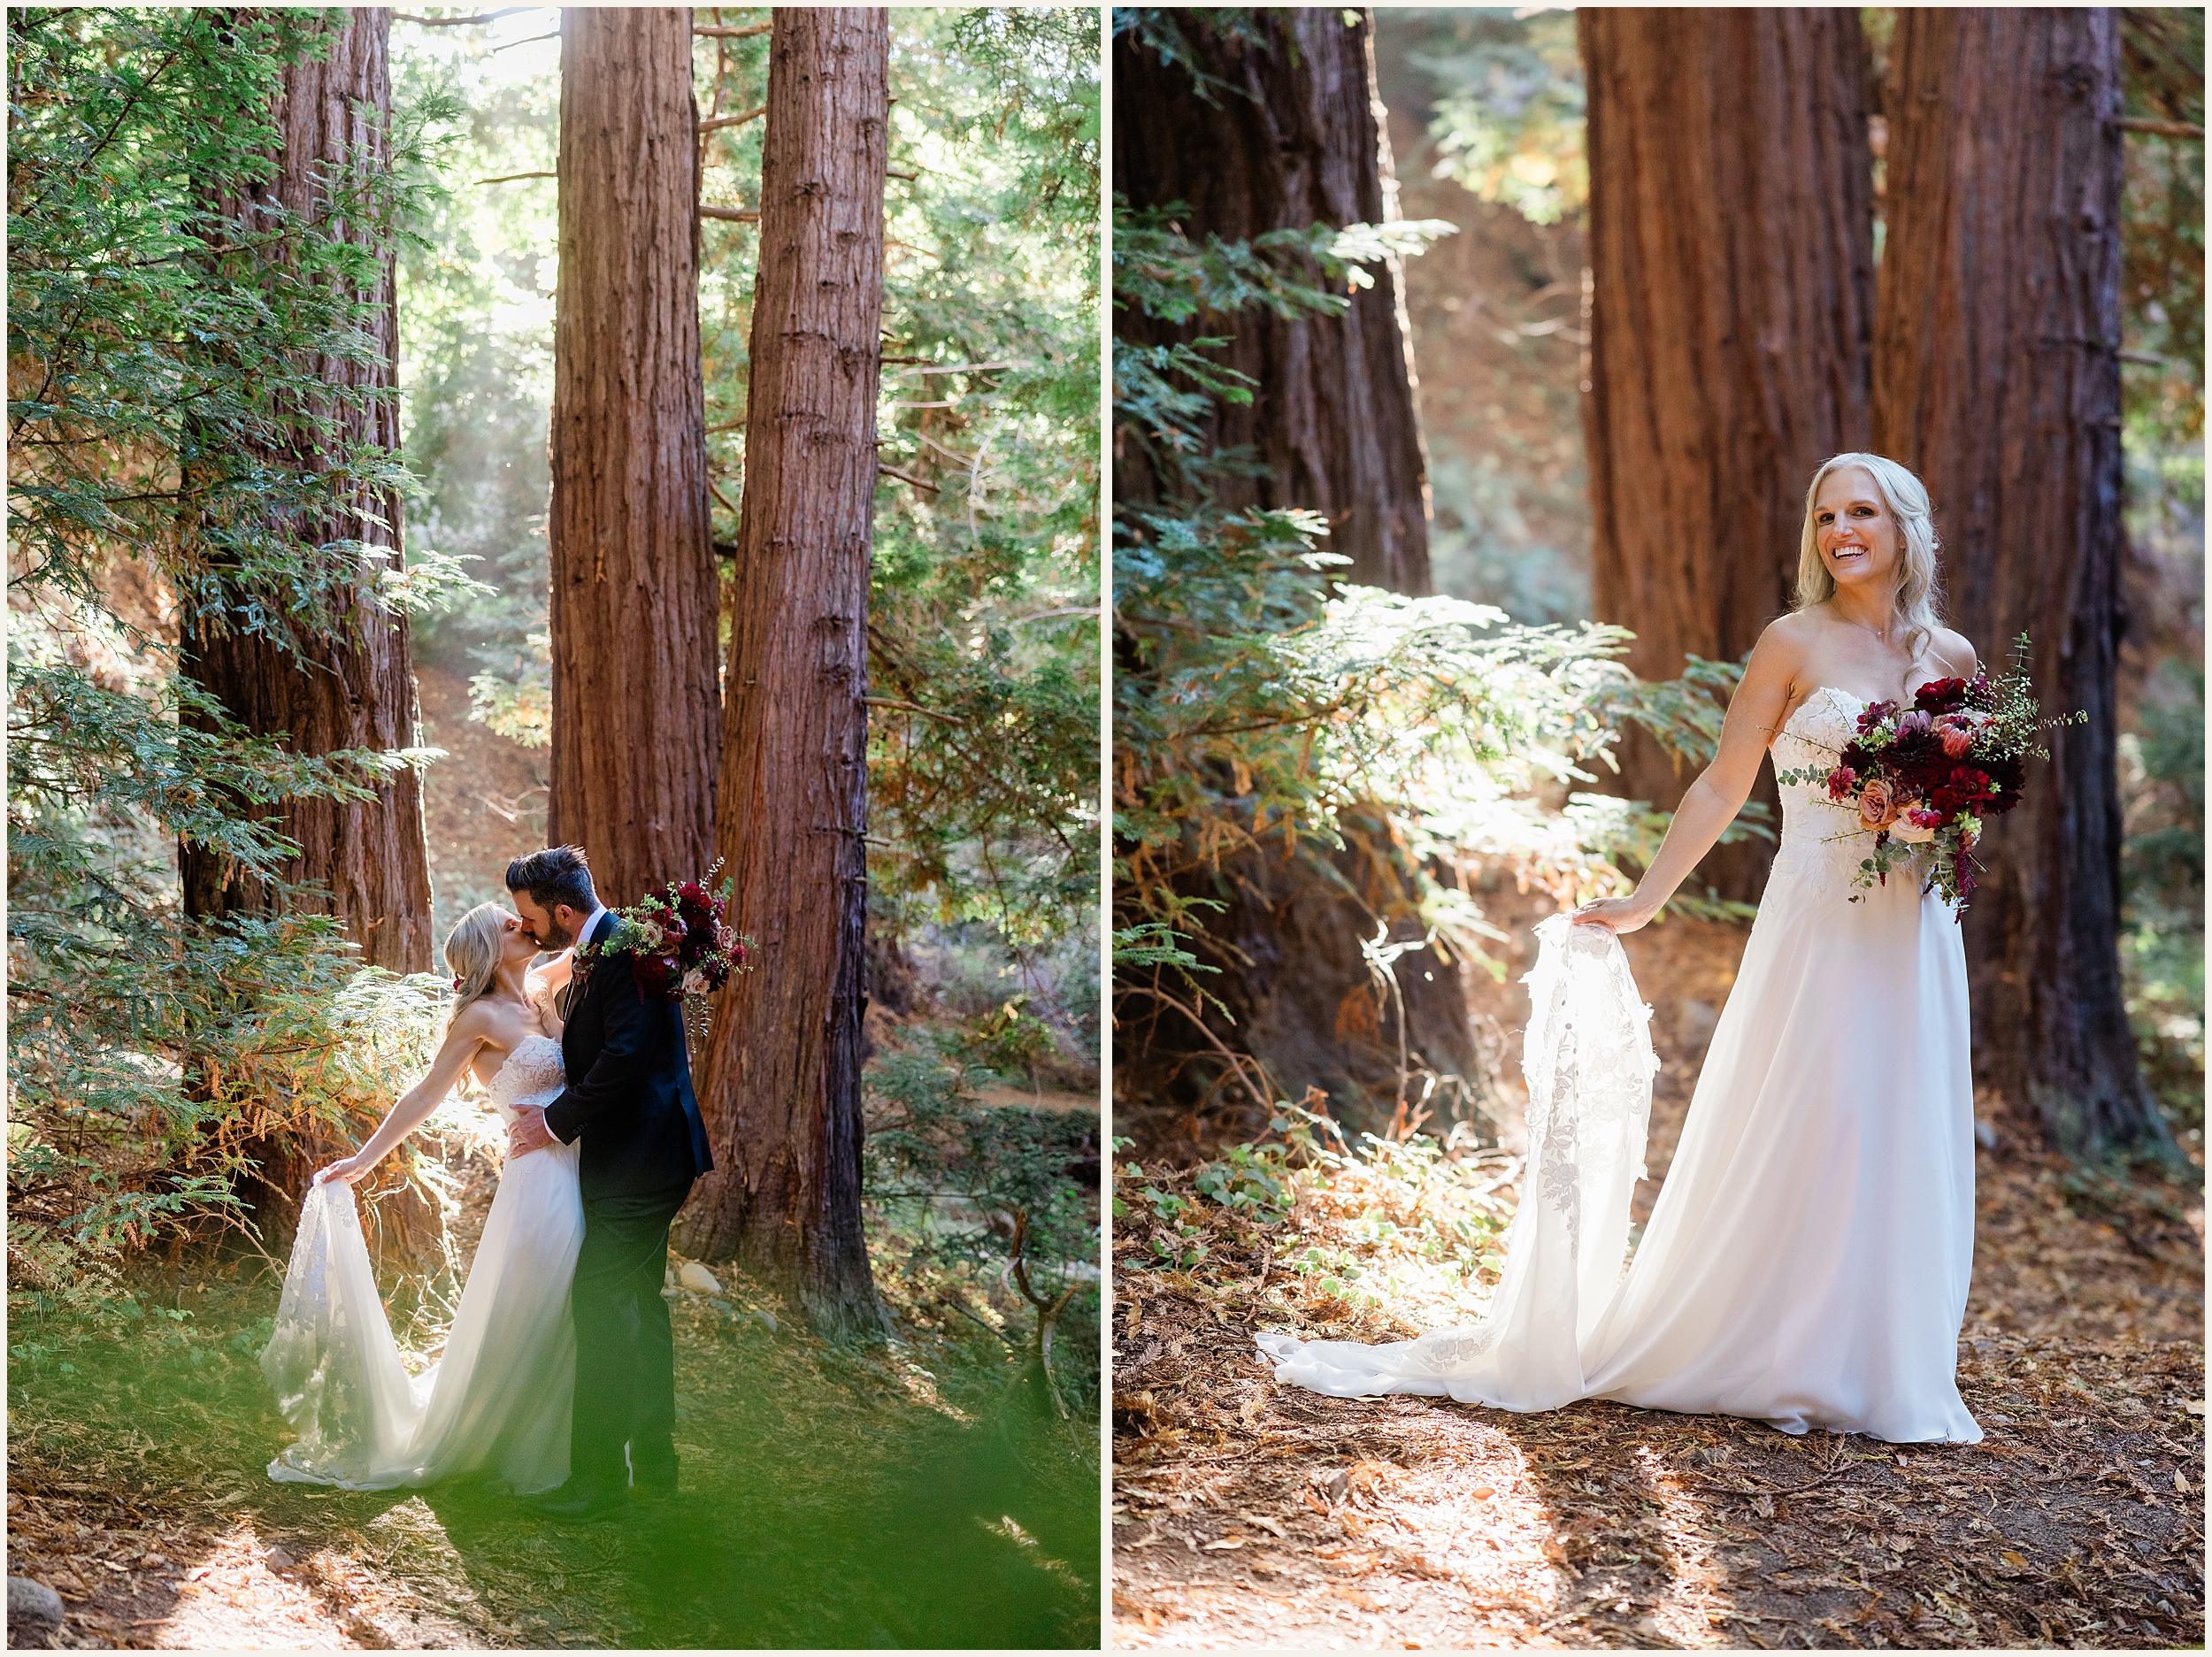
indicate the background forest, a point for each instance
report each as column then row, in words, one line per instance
column 1575, row 259
column 227, row 404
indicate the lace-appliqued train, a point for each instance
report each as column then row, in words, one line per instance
column 336, row 1373
column 1589, row 1064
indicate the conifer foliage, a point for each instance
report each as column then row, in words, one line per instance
column 180, row 445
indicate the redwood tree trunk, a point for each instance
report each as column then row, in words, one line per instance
column 636, row 699
column 347, row 680
column 353, row 685
column 1731, row 308
column 781, row 1087
column 1296, row 139
column 1998, row 381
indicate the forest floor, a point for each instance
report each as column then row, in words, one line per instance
column 832, row 1496
column 1248, row 1512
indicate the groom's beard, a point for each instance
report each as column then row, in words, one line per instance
column 552, row 936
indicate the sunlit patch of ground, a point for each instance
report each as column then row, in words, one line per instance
column 1249, row 1514
column 838, row 1497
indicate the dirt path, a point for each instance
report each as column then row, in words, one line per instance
column 1248, row 1512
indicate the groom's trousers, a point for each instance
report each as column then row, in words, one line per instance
column 625, row 1356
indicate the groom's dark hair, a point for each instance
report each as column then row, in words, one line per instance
column 556, row 876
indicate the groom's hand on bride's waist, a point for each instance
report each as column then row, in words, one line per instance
column 528, row 1132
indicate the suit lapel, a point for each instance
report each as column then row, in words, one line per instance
column 573, row 990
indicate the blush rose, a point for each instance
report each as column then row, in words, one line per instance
column 1878, row 805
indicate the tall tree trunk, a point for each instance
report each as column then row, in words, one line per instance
column 1731, row 309
column 1295, row 139
column 636, row 698
column 348, row 680
column 781, row 1091
column 351, row 685
column 1998, row 381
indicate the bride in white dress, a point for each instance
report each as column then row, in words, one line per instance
column 1807, row 1262
column 497, row 1401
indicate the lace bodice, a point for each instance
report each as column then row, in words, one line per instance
column 533, row 1074
column 1822, row 842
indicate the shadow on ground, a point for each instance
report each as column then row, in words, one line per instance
column 1251, row 1514
column 832, row 1498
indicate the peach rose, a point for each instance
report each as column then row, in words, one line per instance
column 1915, row 826
column 1877, row 806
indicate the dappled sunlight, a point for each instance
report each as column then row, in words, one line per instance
column 1248, row 1512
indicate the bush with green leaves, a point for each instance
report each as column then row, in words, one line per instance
column 980, row 1191
column 171, row 441
column 1258, row 701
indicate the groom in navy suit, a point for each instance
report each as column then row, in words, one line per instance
column 629, row 1100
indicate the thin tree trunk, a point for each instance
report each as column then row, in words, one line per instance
column 349, row 681
column 636, row 697
column 1731, row 307
column 781, row 1077
column 1998, row 381
column 1294, row 139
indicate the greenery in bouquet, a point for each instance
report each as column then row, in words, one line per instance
column 678, row 944
column 1929, row 771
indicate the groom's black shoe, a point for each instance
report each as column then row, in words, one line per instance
column 572, row 1501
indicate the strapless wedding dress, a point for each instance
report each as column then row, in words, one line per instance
column 1806, row 1263
column 497, row 1400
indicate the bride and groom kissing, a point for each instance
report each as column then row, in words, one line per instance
column 558, row 1379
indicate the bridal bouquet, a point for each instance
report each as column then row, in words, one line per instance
column 1930, row 771
column 679, row 947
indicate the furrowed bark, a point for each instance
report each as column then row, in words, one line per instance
column 1998, row 381
column 348, row 680
column 636, row 690
column 1732, row 311
column 1296, row 139
column 780, row 1086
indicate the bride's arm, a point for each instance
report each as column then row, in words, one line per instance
column 541, row 984
column 462, row 1041
column 1755, row 714
column 553, row 976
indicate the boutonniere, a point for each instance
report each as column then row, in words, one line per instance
column 678, row 946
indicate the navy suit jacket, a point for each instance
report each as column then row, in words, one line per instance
column 629, row 1087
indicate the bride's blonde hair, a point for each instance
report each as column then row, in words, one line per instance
column 1919, row 598
column 473, row 949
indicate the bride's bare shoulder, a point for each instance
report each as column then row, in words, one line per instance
column 1784, row 648
column 1795, row 631
column 1955, row 653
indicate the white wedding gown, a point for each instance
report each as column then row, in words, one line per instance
column 497, row 1401
column 1806, row 1263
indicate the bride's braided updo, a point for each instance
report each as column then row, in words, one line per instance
column 473, row 949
